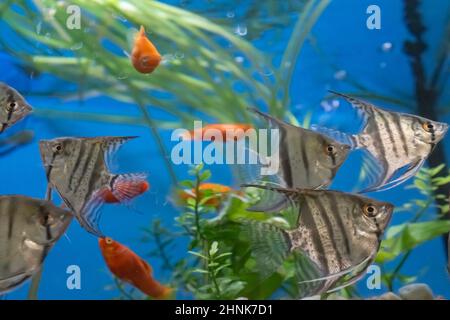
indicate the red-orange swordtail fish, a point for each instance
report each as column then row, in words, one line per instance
column 129, row 267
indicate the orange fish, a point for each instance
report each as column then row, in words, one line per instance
column 127, row 189
column 229, row 131
column 144, row 57
column 220, row 191
column 128, row 266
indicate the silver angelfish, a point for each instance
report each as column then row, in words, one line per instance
column 28, row 230
column 306, row 159
column 396, row 144
column 13, row 107
column 337, row 237
column 77, row 168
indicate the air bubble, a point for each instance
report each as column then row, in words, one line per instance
column 241, row 30
column 329, row 106
column 167, row 58
column 230, row 14
column 266, row 71
column 340, row 75
column 77, row 46
column 115, row 16
column 51, row 12
column 387, row 46
column 179, row 55
column 39, row 27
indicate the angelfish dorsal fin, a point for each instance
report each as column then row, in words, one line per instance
column 111, row 145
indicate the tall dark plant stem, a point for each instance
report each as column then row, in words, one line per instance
column 427, row 94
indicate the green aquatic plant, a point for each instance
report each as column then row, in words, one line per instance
column 221, row 284
column 220, row 264
column 423, row 226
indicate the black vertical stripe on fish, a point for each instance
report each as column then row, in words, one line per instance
column 305, row 160
column 48, row 234
column 80, row 153
column 386, row 122
column 285, row 160
column 49, row 168
column 9, row 114
column 333, row 159
column 92, row 178
column 398, row 124
column 88, row 156
column 377, row 226
column 378, row 141
column 330, row 235
column 9, row 100
column 113, row 180
column 11, row 215
column 338, row 217
column 307, row 217
column 433, row 134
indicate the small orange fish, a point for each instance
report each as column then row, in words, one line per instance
column 128, row 188
column 144, row 56
column 220, row 191
column 229, row 131
column 128, row 266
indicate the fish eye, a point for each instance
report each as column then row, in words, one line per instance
column 330, row 149
column 11, row 106
column 46, row 219
column 108, row 240
column 370, row 210
column 57, row 148
column 428, row 126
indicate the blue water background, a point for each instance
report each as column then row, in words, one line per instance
column 341, row 39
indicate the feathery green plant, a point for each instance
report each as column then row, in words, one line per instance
column 401, row 239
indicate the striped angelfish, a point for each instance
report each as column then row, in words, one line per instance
column 337, row 237
column 396, row 144
column 28, row 230
column 78, row 169
column 307, row 159
column 13, row 107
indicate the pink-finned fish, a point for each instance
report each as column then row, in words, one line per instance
column 77, row 168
